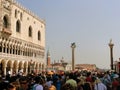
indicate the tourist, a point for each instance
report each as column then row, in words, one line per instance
column 115, row 83
column 23, row 83
column 58, row 83
column 11, row 87
column 71, row 81
column 99, row 85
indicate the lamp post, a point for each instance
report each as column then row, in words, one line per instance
column 73, row 46
column 111, row 53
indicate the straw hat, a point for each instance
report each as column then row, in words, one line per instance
column 97, row 80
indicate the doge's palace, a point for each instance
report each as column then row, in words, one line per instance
column 22, row 39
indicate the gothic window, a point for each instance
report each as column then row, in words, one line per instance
column 0, row 48
column 5, row 22
column 30, row 31
column 39, row 35
column 18, row 26
column 21, row 16
column 15, row 13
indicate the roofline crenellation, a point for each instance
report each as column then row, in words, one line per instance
column 27, row 11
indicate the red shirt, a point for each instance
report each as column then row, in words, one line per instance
column 89, row 79
column 115, row 83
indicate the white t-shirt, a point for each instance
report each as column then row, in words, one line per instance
column 100, row 86
column 37, row 87
column 49, row 83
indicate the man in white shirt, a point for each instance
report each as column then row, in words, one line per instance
column 99, row 85
column 37, row 87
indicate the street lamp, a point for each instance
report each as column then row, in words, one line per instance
column 111, row 53
column 73, row 46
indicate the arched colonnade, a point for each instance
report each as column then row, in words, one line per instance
column 15, row 66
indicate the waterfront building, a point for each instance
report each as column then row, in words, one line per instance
column 88, row 67
column 22, row 39
column 62, row 65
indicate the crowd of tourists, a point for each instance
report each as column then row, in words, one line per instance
column 79, row 80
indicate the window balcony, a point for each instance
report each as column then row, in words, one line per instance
column 6, row 31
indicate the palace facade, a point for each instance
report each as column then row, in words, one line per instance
column 22, row 39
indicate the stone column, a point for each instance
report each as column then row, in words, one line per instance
column 8, row 50
column 37, row 69
column 26, row 71
column 5, row 48
column 16, row 70
column 73, row 61
column 11, row 49
column 15, row 49
column 111, row 53
column 21, row 52
column 11, row 70
column 4, row 69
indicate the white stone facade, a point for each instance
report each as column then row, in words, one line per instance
column 22, row 39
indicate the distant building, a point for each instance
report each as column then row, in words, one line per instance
column 62, row 65
column 90, row 67
column 57, row 66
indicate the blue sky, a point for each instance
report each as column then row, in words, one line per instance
column 89, row 23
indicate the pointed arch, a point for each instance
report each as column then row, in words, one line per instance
column 18, row 26
column 15, row 66
column 30, row 31
column 9, row 65
column 3, row 63
column 21, row 16
column 39, row 35
column 20, row 65
column 5, row 21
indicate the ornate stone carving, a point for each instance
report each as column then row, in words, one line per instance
column 5, row 30
column 6, row 4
